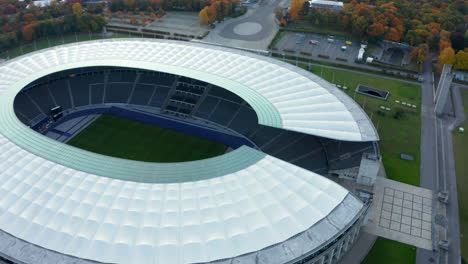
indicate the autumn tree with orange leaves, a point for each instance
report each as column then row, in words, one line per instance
column 28, row 31
column 208, row 14
column 447, row 56
column 295, row 9
column 376, row 29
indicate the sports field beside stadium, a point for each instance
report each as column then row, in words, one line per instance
column 398, row 133
column 124, row 138
column 460, row 146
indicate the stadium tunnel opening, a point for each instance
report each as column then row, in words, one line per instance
column 374, row 92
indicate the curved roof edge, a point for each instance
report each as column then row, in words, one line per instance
column 268, row 112
column 300, row 245
column 367, row 128
column 124, row 169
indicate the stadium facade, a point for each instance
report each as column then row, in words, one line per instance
column 266, row 201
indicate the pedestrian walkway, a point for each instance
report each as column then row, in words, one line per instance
column 401, row 212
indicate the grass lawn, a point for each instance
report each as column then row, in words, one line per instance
column 50, row 42
column 120, row 137
column 306, row 26
column 386, row 251
column 277, row 38
column 460, row 146
column 396, row 135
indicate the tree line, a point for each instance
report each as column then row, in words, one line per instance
column 217, row 10
column 427, row 25
column 154, row 5
column 20, row 23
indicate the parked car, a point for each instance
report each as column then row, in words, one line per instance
column 349, row 43
column 313, row 42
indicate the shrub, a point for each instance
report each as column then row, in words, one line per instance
column 399, row 114
column 380, row 113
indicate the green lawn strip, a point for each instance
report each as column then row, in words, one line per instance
column 51, row 42
column 279, row 35
column 460, row 147
column 307, row 27
column 120, row 137
column 386, row 251
column 396, row 135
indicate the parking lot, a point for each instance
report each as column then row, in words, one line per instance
column 185, row 23
column 188, row 23
column 323, row 47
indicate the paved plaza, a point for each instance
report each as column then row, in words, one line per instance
column 402, row 212
column 254, row 30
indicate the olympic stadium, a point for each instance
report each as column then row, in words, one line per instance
column 269, row 196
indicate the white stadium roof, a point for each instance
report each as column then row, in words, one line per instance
column 282, row 95
column 239, row 205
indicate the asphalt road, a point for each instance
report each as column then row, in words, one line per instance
column 438, row 169
column 262, row 14
column 449, row 179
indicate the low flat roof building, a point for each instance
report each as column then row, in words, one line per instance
column 333, row 5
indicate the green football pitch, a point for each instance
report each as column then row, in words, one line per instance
column 124, row 138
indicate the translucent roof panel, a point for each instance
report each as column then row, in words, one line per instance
column 115, row 221
column 282, row 95
column 54, row 195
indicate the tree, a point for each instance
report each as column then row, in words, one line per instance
column 295, row 8
column 461, row 60
column 28, row 31
column 359, row 26
column 447, row 56
column 305, row 8
column 419, row 53
column 278, row 13
column 376, row 29
column 444, row 43
column 77, row 9
column 457, row 39
column 208, row 14
column 392, row 34
column 28, row 17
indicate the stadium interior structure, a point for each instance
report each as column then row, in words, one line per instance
column 280, row 195
column 143, row 95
